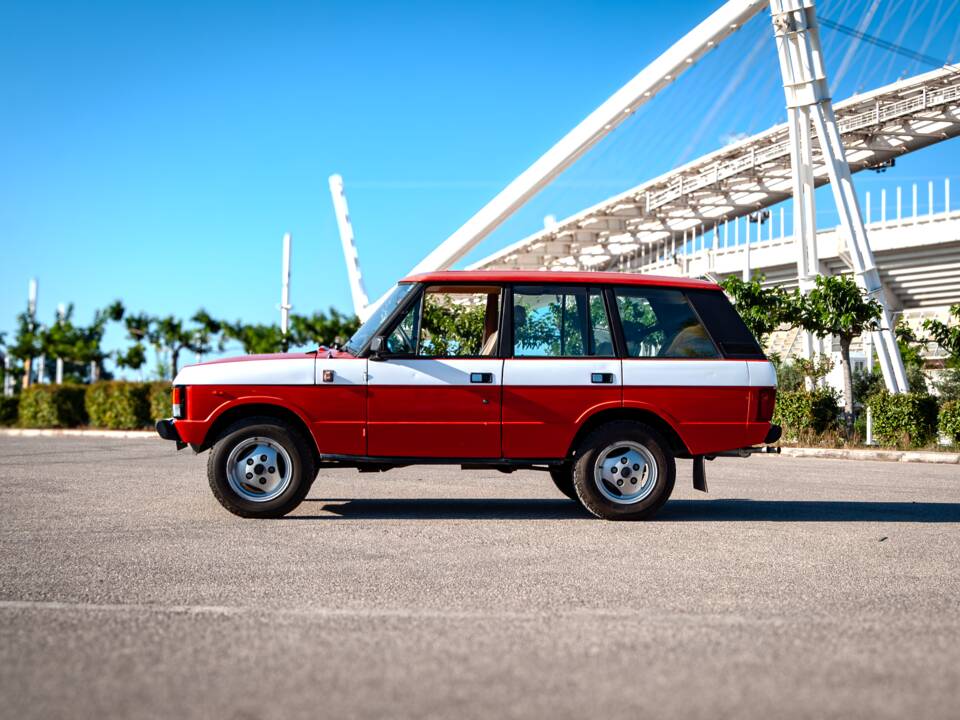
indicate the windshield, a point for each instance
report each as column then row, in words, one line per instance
column 362, row 336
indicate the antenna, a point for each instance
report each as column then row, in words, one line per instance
column 361, row 304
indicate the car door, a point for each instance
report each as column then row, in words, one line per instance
column 560, row 368
column 435, row 390
column 672, row 367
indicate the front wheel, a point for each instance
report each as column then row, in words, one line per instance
column 624, row 471
column 260, row 467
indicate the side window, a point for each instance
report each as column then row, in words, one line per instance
column 659, row 323
column 555, row 321
column 459, row 322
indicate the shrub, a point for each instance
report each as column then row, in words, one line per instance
column 52, row 406
column 118, row 405
column 950, row 420
column 8, row 410
column 160, row 403
column 908, row 419
column 804, row 414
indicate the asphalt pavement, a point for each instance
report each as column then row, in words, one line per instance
column 797, row 588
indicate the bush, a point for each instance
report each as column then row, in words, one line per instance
column 909, row 419
column 161, row 405
column 803, row 414
column 950, row 420
column 52, row 406
column 8, row 411
column 118, row 405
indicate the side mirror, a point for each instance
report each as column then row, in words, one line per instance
column 376, row 347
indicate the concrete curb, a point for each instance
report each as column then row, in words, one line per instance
column 74, row 432
column 910, row 456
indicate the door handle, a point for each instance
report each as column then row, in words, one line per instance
column 481, row 377
column 604, row 378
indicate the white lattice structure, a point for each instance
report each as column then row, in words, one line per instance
column 687, row 207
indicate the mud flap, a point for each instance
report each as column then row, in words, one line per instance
column 699, row 474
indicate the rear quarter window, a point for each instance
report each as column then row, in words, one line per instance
column 725, row 325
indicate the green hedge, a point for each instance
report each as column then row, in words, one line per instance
column 161, row 405
column 8, row 410
column 950, row 420
column 803, row 414
column 904, row 420
column 118, row 405
column 52, row 406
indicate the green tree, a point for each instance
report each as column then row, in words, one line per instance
column 255, row 339
column 837, row 306
column 328, row 329
column 911, row 349
column 763, row 309
column 27, row 343
column 138, row 330
column 947, row 336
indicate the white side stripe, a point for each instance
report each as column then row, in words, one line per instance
column 288, row 371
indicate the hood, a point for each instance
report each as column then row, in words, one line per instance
column 274, row 369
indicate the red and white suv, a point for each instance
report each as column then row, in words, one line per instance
column 600, row 378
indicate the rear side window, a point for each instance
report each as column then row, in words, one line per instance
column 660, row 323
column 555, row 321
column 725, row 325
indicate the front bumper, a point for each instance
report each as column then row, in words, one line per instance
column 167, row 429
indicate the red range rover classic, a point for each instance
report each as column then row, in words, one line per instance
column 601, row 379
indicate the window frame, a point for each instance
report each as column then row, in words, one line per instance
column 624, row 355
column 416, row 299
column 507, row 349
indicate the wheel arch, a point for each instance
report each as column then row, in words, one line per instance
column 676, row 444
column 240, row 411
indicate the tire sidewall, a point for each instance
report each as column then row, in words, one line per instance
column 284, row 436
column 602, row 438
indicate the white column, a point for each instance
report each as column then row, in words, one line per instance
column 783, row 222
column 867, row 202
column 726, row 234
column 946, row 195
column 914, row 202
column 285, row 286
column 7, row 375
column 41, row 370
column 746, row 253
column 899, row 204
column 61, row 314
column 930, row 198
column 883, row 207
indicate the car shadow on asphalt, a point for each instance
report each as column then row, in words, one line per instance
column 721, row 510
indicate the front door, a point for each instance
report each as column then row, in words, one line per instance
column 436, row 391
column 561, row 368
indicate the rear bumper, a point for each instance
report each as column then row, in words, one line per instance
column 775, row 432
column 167, row 429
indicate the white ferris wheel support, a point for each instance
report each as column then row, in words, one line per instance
column 358, row 294
column 808, row 104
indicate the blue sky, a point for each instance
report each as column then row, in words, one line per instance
column 156, row 152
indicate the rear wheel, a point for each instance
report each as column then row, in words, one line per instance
column 562, row 477
column 260, row 467
column 623, row 471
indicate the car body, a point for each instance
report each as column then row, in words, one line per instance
column 507, row 369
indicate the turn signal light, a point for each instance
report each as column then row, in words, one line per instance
column 765, row 402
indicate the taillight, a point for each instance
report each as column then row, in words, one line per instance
column 179, row 399
column 765, row 402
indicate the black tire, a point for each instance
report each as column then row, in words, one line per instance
column 562, row 476
column 279, row 433
column 609, row 437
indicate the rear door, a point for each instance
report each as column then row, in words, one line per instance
column 560, row 367
column 436, row 392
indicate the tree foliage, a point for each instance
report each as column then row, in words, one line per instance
column 763, row 309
